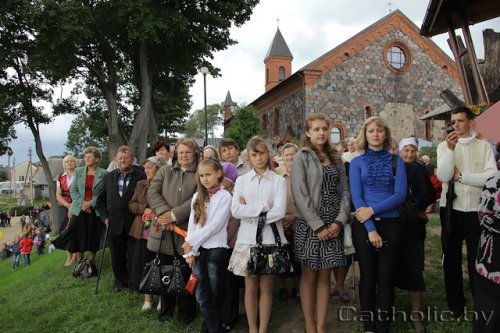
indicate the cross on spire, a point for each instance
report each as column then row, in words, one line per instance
column 278, row 21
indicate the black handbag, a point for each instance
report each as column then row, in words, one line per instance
column 269, row 259
column 167, row 280
column 85, row 269
column 408, row 210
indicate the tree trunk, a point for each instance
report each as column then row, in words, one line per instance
column 139, row 135
column 54, row 216
column 116, row 137
column 153, row 126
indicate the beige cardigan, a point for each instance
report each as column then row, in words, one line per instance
column 171, row 189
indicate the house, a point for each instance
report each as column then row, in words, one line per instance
column 387, row 70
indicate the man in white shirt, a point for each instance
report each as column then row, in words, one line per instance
column 467, row 162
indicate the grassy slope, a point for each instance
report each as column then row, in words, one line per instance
column 46, row 298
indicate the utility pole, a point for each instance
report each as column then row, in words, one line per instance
column 31, row 175
column 13, row 177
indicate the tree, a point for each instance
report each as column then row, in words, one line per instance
column 159, row 43
column 195, row 125
column 244, row 124
column 23, row 88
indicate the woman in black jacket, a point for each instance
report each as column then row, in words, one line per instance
column 411, row 267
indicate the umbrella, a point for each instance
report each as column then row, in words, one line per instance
column 446, row 219
column 486, row 124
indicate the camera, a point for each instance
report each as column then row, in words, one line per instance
column 449, row 129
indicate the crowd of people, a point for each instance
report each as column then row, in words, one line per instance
column 308, row 195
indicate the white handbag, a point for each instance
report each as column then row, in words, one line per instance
column 348, row 245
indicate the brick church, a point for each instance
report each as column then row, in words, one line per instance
column 387, row 70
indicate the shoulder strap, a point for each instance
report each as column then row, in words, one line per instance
column 394, row 164
column 260, row 228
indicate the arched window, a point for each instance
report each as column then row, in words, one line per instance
column 267, row 75
column 335, row 135
column 368, row 111
column 264, row 122
column 276, row 122
column 281, row 73
column 428, row 128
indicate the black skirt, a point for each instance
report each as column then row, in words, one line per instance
column 84, row 233
column 140, row 255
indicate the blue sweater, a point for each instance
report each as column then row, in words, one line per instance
column 373, row 184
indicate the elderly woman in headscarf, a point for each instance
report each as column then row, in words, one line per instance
column 411, row 267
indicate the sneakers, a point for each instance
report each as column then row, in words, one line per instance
column 52, row 248
column 147, row 306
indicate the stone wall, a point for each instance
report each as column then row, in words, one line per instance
column 364, row 79
column 291, row 116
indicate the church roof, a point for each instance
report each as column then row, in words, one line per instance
column 229, row 100
column 278, row 47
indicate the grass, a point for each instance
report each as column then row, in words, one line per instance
column 44, row 297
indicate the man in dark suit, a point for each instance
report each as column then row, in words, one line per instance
column 112, row 203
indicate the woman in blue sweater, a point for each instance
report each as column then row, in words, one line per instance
column 377, row 191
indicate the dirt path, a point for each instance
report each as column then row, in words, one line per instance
column 10, row 232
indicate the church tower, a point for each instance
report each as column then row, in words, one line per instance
column 228, row 110
column 278, row 61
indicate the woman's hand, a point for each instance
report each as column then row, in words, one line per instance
column 288, row 221
column 375, row 239
column 165, row 218
column 363, row 214
column 86, row 206
column 324, row 235
column 242, row 201
column 334, row 230
column 186, row 247
column 190, row 261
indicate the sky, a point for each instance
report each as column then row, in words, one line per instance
column 310, row 29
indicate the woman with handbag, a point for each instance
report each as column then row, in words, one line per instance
column 377, row 193
column 322, row 200
column 169, row 198
column 411, row 259
column 140, row 230
column 205, row 247
column 259, row 196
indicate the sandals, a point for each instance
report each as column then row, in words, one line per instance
column 343, row 295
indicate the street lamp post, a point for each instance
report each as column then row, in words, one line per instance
column 204, row 71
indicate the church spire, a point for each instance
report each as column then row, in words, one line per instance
column 278, row 61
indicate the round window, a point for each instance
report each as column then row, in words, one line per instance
column 397, row 56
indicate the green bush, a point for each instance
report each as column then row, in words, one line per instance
column 17, row 210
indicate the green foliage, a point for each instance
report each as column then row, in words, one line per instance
column 244, row 124
column 3, row 176
column 195, row 125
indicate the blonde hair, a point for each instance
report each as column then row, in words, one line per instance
column 94, row 151
column 362, row 143
column 327, row 147
column 200, row 213
column 68, row 157
column 290, row 145
column 257, row 144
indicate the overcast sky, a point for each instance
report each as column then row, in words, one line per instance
column 310, row 29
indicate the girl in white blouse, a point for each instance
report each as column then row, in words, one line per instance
column 205, row 246
column 260, row 190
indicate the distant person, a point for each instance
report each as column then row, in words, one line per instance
column 16, row 251
column 112, row 205
column 487, row 286
column 25, row 246
column 230, row 152
column 352, row 150
column 39, row 241
column 162, row 150
column 139, row 230
column 467, row 162
column 210, row 152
